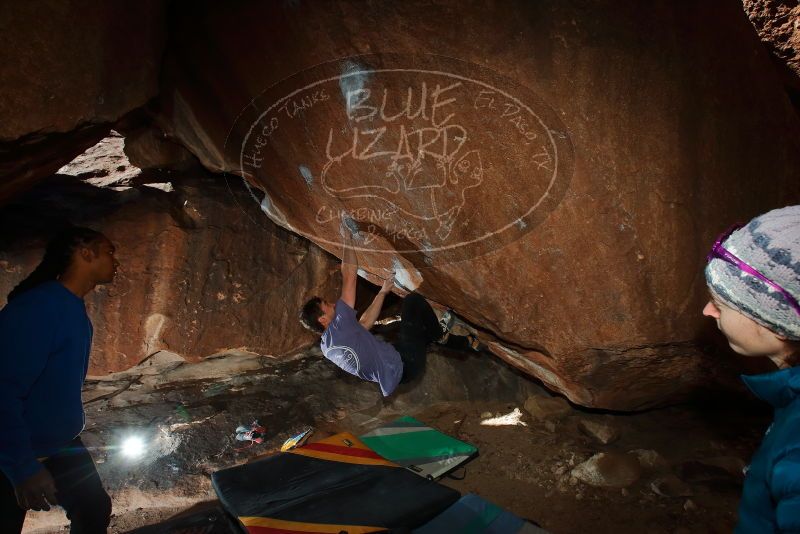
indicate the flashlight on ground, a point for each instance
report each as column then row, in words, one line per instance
column 137, row 445
column 133, row 447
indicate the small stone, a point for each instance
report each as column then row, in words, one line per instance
column 715, row 469
column 731, row 464
column 486, row 415
column 547, row 407
column 609, row 469
column 670, row 486
column 603, row 431
column 650, row 460
column 689, row 505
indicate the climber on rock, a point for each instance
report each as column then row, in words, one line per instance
column 347, row 341
column 45, row 339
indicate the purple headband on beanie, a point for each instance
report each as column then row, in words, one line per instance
column 770, row 243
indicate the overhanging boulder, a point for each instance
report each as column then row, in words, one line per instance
column 553, row 171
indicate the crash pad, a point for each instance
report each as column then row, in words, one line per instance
column 475, row 515
column 334, row 485
column 418, row 447
column 212, row 520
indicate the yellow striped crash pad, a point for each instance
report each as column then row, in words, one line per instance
column 331, row 486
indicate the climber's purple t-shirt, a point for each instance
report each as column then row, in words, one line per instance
column 351, row 347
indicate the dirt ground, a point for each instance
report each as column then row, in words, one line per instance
column 526, row 469
column 189, row 413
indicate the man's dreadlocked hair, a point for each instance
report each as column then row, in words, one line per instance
column 57, row 257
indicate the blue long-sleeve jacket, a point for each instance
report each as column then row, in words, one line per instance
column 771, row 495
column 45, row 340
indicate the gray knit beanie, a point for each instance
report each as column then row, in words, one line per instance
column 770, row 243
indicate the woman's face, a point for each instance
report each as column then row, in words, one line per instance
column 745, row 336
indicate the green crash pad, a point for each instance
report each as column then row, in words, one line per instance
column 418, row 447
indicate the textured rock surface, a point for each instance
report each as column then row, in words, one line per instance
column 105, row 164
column 200, row 270
column 670, row 486
column 554, row 174
column 650, row 460
column 563, row 176
column 66, row 67
column 603, row 430
column 547, row 407
column 778, row 25
column 147, row 148
column 609, row 470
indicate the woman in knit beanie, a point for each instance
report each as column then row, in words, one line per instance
column 753, row 274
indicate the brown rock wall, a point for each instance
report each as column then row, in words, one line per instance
column 70, row 67
column 200, row 270
column 582, row 159
column 149, row 149
column 65, row 64
column 556, row 175
column 778, row 25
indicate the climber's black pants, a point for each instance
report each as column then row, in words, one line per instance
column 419, row 326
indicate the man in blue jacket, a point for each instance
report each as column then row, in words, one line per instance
column 45, row 340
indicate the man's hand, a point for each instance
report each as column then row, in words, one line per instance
column 370, row 315
column 38, row 492
column 387, row 286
